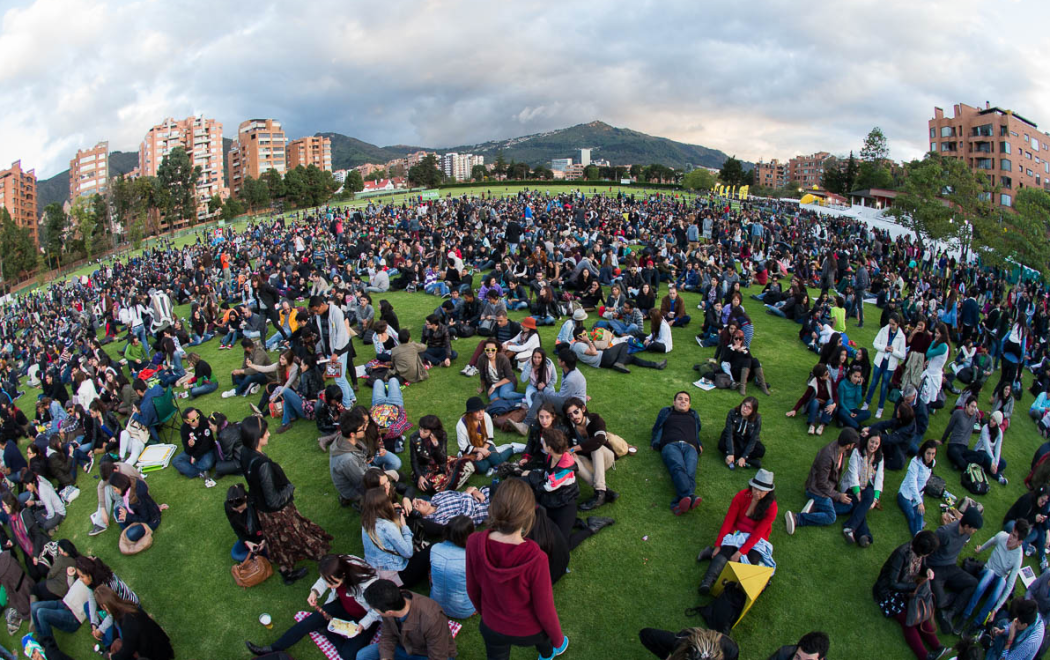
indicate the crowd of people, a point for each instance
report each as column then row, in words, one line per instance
column 488, row 525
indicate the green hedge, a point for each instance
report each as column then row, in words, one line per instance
column 577, row 183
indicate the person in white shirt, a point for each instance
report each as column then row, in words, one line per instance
column 40, row 497
column 891, row 346
column 659, row 339
column 999, row 575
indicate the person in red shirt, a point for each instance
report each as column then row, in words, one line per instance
column 752, row 512
column 508, row 579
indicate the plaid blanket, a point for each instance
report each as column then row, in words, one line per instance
column 329, row 649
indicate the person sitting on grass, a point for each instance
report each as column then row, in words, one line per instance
column 538, row 374
column 676, row 435
column 988, row 451
column 135, row 509
column 437, row 512
column 198, row 447
column 851, row 399
column 448, row 569
column 812, row 646
column 818, row 400
column 822, row 484
column 247, row 380
column 617, row 357
column 573, row 384
column 388, row 541
column 414, row 626
column 863, row 483
column 497, row 376
column 903, row 573
column 1018, row 635
column 589, row 443
column 555, row 482
column 745, row 529
column 910, row 494
column 952, row 586
column 739, row 442
column 474, row 433
column 689, row 644
column 1033, row 506
column 997, row 578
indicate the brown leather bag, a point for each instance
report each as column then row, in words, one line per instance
column 252, row 571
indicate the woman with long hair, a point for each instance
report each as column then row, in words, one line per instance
column 139, row 635
column 496, row 373
column 739, row 442
column 28, row 535
column 901, row 576
column 862, row 482
column 474, row 437
column 538, row 373
column 745, row 529
column 134, row 507
column 659, row 339
column 936, row 357
column 347, row 576
column 388, row 541
column 448, row 569
column 508, row 578
column 289, row 535
column 432, row 468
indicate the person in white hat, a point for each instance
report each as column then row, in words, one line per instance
column 989, row 449
column 747, row 524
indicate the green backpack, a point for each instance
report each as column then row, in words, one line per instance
column 974, row 479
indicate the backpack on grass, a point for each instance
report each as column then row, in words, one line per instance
column 974, row 479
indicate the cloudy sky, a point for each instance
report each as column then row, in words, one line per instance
column 762, row 79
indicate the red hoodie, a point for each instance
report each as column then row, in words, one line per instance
column 510, row 586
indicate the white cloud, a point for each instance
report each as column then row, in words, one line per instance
column 766, row 79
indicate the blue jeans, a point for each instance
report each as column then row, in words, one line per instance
column 822, row 514
column 545, row 320
column 843, row 416
column 858, row 512
column 46, row 614
column 230, row 338
column 776, row 310
column 201, row 390
column 293, row 406
column 993, row 585
column 619, row 328
column 506, row 392
column 815, row 410
column 344, row 385
column 916, row 520
column 197, row 340
column 388, row 461
column 140, row 332
column 273, row 340
column 194, row 469
column 494, row 459
column 680, row 459
column 245, row 382
column 437, row 288
column 881, row 374
column 239, row 551
column 387, row 392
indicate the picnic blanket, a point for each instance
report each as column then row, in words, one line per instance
column 329, row 649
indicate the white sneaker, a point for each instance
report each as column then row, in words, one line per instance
column 229, row 393
column 808, row 507
column 878, row 414
column 254, row 388
column 465, row 370
column 72, row 493
column 209, row 482
column 865, row 406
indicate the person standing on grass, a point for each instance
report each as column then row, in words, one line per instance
column 822, row 484
column 509, row 581
column 890, row 345
column 676, row 435
column 335, row 342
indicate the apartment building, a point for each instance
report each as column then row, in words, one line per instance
column 89, row 171
column 202, row 140
column 311, row 150
column 771, row 175
column 560, row 164
column 18, row 196
column 260, row 147
column 1007, row 148
column 807, row 171
column 460, row 166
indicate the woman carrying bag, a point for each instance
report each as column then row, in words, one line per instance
column 289, row 535
column 903, row 593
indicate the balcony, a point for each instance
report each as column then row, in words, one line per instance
column 981, row 147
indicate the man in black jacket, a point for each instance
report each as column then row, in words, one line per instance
column 812, row 646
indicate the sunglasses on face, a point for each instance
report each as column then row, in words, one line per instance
column 490, row 350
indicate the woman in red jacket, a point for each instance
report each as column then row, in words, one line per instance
column 508, row 579
column 752, row 513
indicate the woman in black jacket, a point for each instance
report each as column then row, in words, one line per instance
column 432, row 470
column 228, row 444
column 135, row 507
column 140, row 636
column 26, row 534
column 289, row 535
column 740, row 441
column 900, row 578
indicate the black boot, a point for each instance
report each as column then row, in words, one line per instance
column 718, row 562
column 611, row 495
column 597, row 523
column 255, row 649
column 293, row 576
column 705, row 554
column 594, row 502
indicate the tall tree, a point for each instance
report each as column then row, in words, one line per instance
column 426, row 172
column 699, row 179
column 1024, row 233
column 178, row 180
column 255, row 193
column 478, row 173
column 376, row 175
column 353, row 183
column 274, row 183
column 215, row 204
column 876, row 147
column 590, row 173
column 232, row 208
column 732, row 172
column 54, row 235
column 83, row 215
column 17, row 252
column 501, row 164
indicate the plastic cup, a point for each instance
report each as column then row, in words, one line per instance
column 266, row 620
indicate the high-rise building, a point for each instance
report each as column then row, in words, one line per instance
column 89, row 171
column 18, row 196
column 310, row 150
column 260, row 146
column 807, row 171
column 585, row 157
column 202, row 140
column 771, row 175
column 1007, row 148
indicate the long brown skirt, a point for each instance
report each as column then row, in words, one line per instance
column 290, row 536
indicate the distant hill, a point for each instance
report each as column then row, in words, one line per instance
column 56, row 189
column 619, row 146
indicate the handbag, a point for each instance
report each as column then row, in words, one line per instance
column 255, row 569
column 920, row 605
column 277, row 409
column 129, row 547
column 333, row 369
column 934, row 486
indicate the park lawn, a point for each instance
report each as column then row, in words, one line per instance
column 640, row 572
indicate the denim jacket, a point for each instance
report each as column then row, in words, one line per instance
column 448, row 575
column 658, row 429
column 396, row 550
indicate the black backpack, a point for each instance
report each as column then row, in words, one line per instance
column 934, row 486
column 724, row 611
column 975, row 480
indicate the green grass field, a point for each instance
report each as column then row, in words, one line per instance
column 640, row 572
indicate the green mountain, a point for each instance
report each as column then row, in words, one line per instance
column 619, row 146
column 56, row 189
column 350, row 152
